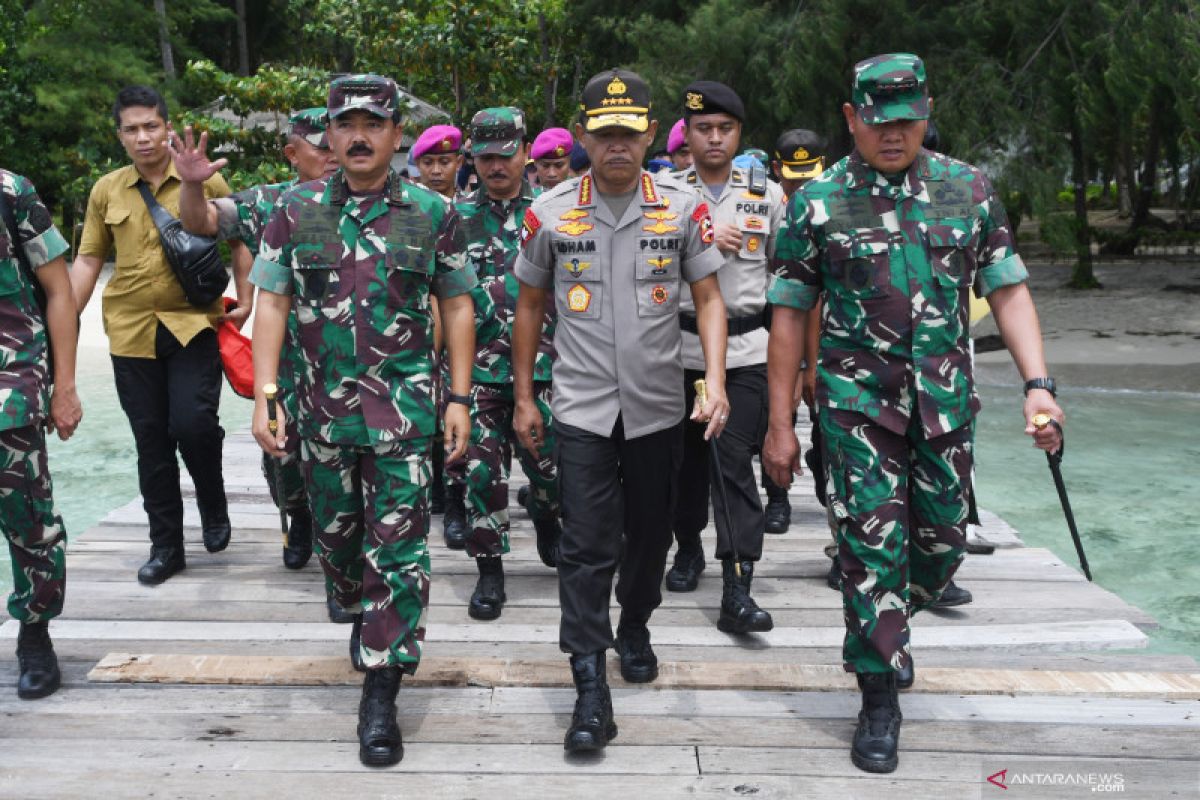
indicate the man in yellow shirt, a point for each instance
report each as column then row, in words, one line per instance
column 164, row 350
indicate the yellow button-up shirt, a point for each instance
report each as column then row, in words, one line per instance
column 143, row 290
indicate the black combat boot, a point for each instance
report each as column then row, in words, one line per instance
column 877, row 737
column 684, row 574
column 739, row 612
column 549, row 532
column 454, row 523
column 379, row 741
column 299, row 547
column 487, row 601
column 214, row 526
column 337, row 614
column 778, row 512
column 906, row 674
column 164, row 562
column 638, row 662
column 356, row 643
column 592, row 725
column 834, row 578
column 38, row 664
column 953, row 595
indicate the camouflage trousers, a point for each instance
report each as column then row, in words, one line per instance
column 35, row 533
column 489, row 461
column 900, row 505
column 370, row 508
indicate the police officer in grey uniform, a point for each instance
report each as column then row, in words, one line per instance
column 618, row 249
column 747, row 210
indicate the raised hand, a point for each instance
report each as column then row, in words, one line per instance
column 191, row 160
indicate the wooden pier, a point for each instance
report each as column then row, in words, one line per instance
column 228, row 681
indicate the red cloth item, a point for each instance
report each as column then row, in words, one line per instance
column 236, row 357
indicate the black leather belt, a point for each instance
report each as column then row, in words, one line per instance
column 737, row 325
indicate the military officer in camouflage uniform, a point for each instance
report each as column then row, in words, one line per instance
column 747, row 210
column 895, row 236
column 244, row 216
column 33, row 337
column 491, row 220
column 356, row 257
column 615, row 249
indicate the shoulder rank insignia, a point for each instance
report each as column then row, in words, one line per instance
column 649, row 193
column 573, row 215
column 574, row 228
column 585, row 191
column 529, row 227
column 578, row 298
column 576, row 267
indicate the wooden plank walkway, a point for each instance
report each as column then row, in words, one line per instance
column 228, row 681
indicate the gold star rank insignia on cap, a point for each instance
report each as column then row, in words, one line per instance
column 695, row 101
column 578, row 298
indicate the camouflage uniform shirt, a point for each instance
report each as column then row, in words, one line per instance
column 493, row 233
column 359, row 270
column 254, row 207
column 896, row 261
column 24, row 381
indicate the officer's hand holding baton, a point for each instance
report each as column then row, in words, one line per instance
column 711, row 407
column 1040, row 403
column 269, row 425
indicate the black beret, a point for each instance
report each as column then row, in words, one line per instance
column 710, row 97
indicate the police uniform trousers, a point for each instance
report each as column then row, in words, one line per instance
column 613, row 489
column 741, row 439
column 171, row 403
column 900, row 503
column 489, row 462
column 35, row 532
column 370, row 508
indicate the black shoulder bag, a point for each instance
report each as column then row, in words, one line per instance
column 194, row 259
column 39, row 292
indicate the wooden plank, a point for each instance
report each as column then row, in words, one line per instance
column 452, row 671
column 1095, row 635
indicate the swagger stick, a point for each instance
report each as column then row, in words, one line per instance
column 702, row 395
column 271, row 392
column 1055, row 461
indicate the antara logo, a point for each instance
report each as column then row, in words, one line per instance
column 998, row 779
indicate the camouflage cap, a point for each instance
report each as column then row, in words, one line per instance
column 890, row 87
column 497, row 131
column 372, row 93
column 615, row 98
column 309, row 124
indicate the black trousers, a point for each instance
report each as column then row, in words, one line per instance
column 171, row 402
column 611, row 486
column 738, row 443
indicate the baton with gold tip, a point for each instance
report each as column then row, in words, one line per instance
column 1054, row 459
column 702, row 396
column 271, row 392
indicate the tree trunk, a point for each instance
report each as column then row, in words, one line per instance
column 551, row 86
column 1082, row 277
column 164, row 39
column 1149, row 182
column 243, row 43
column 1123, row 172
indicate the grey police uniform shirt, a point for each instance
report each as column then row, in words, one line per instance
column 617, row 286
column 745, row 273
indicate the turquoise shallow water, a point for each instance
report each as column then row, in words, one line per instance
column 1131, row 468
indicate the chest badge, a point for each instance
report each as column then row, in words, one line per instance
column 578, row 298
column 576, row 267
column 658, row 266
column 573, row 215
column 753, row 243
column 659, row 295
column 574, row 228
column 755, row 224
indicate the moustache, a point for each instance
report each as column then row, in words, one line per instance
column 359, row 150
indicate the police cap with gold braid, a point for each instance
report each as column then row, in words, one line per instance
column 615, row 98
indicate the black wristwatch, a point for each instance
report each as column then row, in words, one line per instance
column 1042, row 383
column 463, row 399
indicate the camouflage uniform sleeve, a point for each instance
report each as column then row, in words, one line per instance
column 999, row 263
column 452, row 272
column 796, row 264
column 97, row 240
column 231, row 214
column 535, row 262
column 700, row 256
column 40, row 240
column 272, row 270
column 778, row 210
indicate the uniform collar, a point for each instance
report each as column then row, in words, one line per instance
column 133, row 176
column 738, row 178
column 648, row 193
column 394, row 189
column 480, row 197
column 861, row 174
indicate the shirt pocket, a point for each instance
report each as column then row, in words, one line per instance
column 754, row 230
column 951, row 254
column 316, row 275
column 657, row 298
column 859, row 264
column 409, row 267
